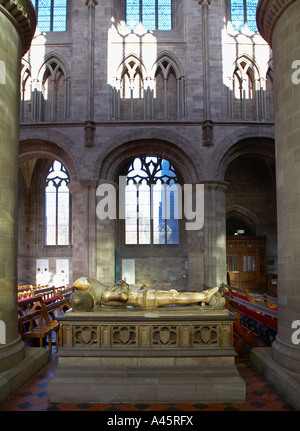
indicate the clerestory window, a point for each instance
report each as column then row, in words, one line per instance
column 151, row 202
column 153, row 14
column 57, row 206
column 51, row 14
column 242, row 12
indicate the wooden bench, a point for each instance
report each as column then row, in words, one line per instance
column 244, row 336
column 32, row 325
column 25, row 292
column 259, row 320
column 37, row 318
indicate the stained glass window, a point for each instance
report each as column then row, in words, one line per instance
column 51, row 14
column 57, row 206
column 154, row 14
column 151, row 202
column 243, row 11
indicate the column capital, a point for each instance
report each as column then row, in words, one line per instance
column 204, row 2
column 221, row 186
column 91, row 3
column 75, row 186
column 22, row 14
column 267, row 14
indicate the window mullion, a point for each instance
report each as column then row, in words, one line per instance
column 245, row 12
column 56, row 218
column 137, row 218
column 51, row 15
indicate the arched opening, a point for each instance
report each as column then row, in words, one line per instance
column 251, row 221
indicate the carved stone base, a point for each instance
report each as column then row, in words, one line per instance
column 175, row 354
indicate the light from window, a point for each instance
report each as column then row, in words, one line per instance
column 51, row 14
column 57, row 206
column 243, row 11
column 154, row 14
column 151, row 202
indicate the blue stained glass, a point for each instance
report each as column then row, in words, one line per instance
column 59, row 15
column 148, row 14
column 154, row 14
column 238, row 19
column 164, row 14
column 51, row 14
column 251, row 14
column 132, row 13
column 237, row 14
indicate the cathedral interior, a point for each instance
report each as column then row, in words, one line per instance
column 125, row 98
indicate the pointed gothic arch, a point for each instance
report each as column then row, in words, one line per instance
column 53, row 82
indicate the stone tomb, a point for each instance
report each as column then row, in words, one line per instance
column 171, row 354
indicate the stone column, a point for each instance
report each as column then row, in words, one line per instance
column 17, row 24
column 279, row 26
column 207, row 247
column 84, row 228
column 278, row 23
column 106, row 238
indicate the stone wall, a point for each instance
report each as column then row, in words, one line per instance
column 201, row 137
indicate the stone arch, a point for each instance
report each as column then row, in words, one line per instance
column 38, row 148
column 248, row 141
column 172, row 61
column 125, row 63
column 157, row 142
column 242, row 213
column 53, row 57
column 54, row 89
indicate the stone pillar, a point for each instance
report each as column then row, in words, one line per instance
column 106, row 241
column 278, row 23
column 207, row 247
column 84, row 228
column 17, row 24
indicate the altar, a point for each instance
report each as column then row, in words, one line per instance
column 173, row 354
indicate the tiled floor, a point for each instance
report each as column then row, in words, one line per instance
column 33, row 397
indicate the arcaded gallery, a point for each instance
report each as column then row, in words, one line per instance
column 149, row 205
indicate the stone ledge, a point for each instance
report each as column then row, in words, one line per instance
column 13, row 379
column 284, row 381
column 146, row 384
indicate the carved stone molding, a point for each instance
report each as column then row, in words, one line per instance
column 23, row 16
column 207, row 133
column 267, row 15
column 204, row 2
column 89, row 130
column 91, row 3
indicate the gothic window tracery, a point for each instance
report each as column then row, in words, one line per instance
column 54, row 93
column 244, row 91
column 151, row 202
column 57, row 206
column 26, row 92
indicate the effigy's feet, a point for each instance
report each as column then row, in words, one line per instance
column 209, row 294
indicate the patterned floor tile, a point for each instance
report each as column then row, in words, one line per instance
column 33, row 397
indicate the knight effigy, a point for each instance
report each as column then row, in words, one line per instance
column 90, row 293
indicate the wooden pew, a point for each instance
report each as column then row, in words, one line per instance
column 31, row 325
column 37, row 318
column 243, row 335
column 25, row 292
column 261, row 320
